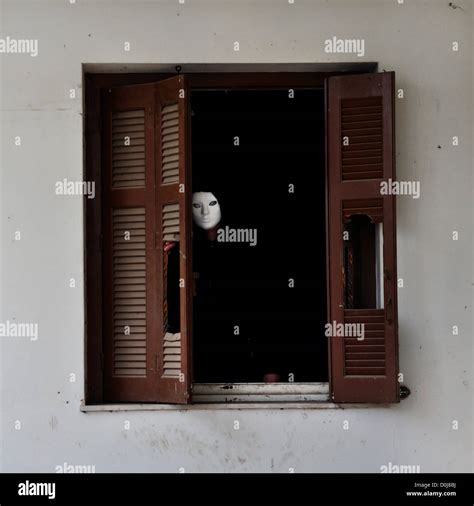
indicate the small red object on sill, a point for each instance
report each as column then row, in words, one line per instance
column 271, row 378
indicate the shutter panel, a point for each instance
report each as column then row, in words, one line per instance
column 130, row 257
column 144, row 161
column 173, row 197
column 362, row 238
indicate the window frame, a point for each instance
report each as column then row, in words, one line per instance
column 94, row 83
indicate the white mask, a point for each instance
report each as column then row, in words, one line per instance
column 206, row 210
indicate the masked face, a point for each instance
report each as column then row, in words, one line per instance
column 206, row 210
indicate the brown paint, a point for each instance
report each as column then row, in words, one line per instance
column 362, row 384
column 121, row 388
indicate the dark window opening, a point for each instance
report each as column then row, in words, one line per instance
column 260, row 310
column 171, row 302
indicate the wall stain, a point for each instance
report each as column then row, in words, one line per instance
column 53, row 423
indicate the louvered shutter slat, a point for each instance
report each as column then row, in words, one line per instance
column 170, row 143
column 124, row 362
column 361, row 118
column 128, row 126
column 172, row 355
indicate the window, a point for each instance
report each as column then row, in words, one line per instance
column 147, row 268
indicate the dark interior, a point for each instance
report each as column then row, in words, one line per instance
column 359, row 263
column 280, row 329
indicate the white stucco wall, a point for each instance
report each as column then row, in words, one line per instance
column 413, row 39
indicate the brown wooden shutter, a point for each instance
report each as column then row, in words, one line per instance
column 137, row 147
column 360, row 156
column 173, row 197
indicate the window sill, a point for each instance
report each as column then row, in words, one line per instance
column 230, row 393
column 212, row 396
column 209, row 406
column 111, row 408
column 238, row 396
